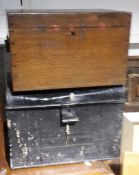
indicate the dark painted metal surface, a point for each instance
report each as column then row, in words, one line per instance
column 39, row 135
column 65, row 97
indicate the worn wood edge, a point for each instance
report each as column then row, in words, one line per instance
column 132, row 58
column 133, row 61
column 16, row 89
column 129, row 88
column 3, row 163
column 132, row 96
column 34, row 11
column 131, row 107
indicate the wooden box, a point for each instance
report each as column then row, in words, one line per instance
column 68, row 49
column 133, row 89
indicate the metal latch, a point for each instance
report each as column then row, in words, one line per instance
column 68, row 118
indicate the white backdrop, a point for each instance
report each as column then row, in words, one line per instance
column 124, row 5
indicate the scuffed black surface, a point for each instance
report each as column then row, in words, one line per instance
column 37, row 138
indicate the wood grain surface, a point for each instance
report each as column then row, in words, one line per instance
column 133, row 88
column 52, row 51
column 133, row 61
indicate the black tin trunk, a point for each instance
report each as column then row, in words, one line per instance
column 64, row 126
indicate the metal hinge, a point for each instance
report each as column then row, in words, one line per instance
column 7, row 44
column 21, row 2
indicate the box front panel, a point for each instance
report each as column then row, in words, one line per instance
column 68, row 59
column 38, row 138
